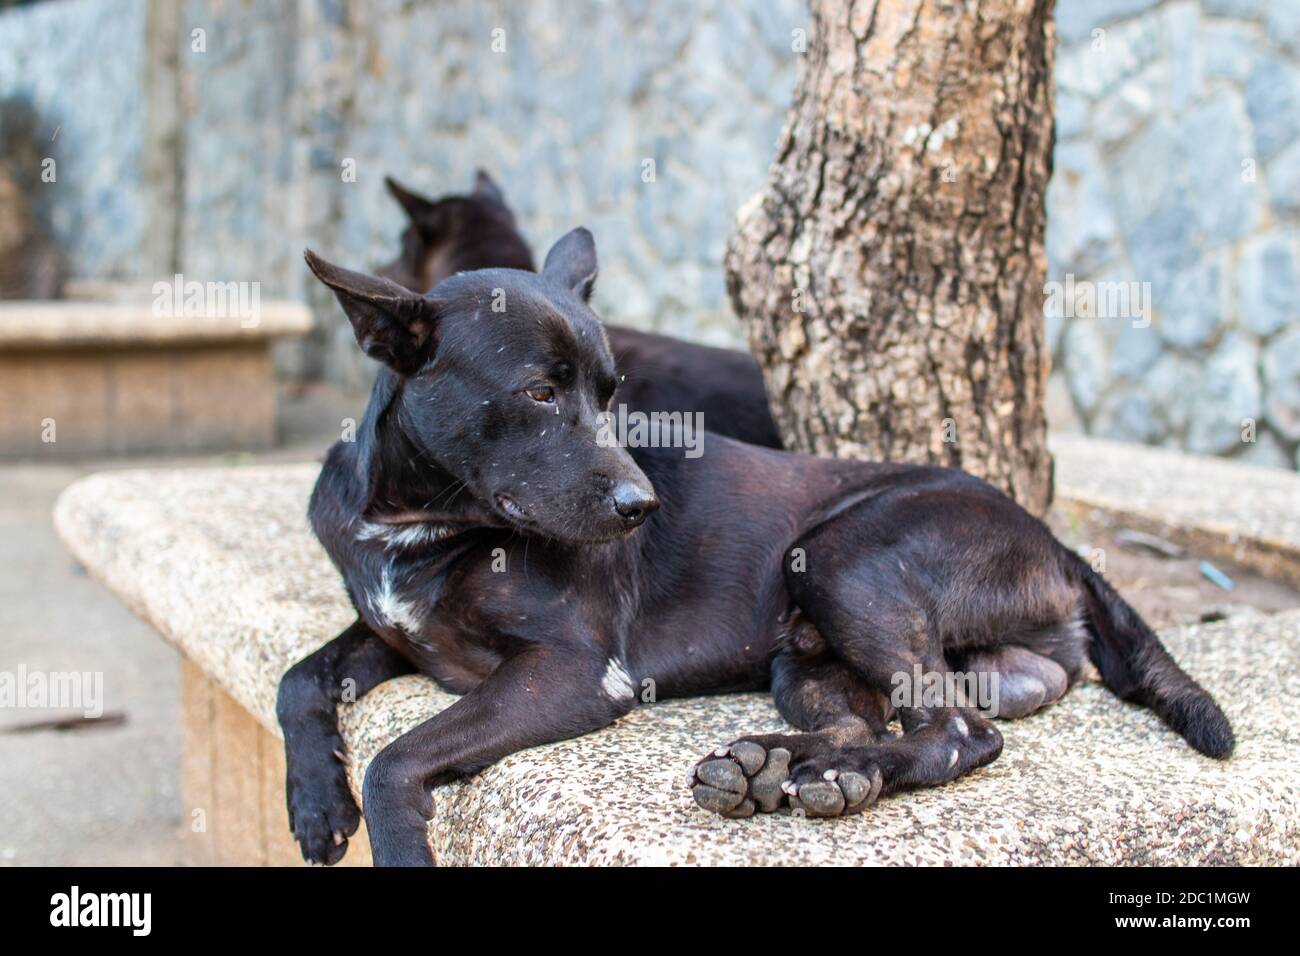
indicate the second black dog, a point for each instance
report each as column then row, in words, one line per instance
column 657, row 373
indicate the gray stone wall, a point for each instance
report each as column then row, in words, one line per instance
column 81, row 64
column 1177, row 166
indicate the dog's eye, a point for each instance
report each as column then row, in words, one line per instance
column 542, row 393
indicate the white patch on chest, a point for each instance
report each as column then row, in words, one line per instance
column 392, row 608
column 404, row 536
column 616, row 683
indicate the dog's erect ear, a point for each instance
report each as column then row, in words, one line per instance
column 415, row 205
column 572, row 262
column 392, row 324
column 485, row 187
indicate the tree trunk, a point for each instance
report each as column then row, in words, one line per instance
column 891, row 273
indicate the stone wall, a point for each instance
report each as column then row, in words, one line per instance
column 219, row 137
column 1177, row 166
column 81, row 65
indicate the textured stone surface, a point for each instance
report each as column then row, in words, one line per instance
column 1273, row 98
column 222, row 563
column 82, row 66
column 82, row 402
column 63, row 324
column 1282, row 373
column 1076, row 21
column 1181, row 127
column 1226, row 398
column 568, row 117
column 1268, row 283
column 1222, row 508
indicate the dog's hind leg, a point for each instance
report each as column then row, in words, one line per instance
column 942, row 739
column 322, row 811
column 876, row 610
column 819, row 694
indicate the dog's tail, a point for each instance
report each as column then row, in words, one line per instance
column 1136, row 667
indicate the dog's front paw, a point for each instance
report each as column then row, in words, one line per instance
column 741, row 780
column 322, row 814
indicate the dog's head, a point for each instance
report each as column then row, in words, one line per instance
column 504, row 375
column 455, row 233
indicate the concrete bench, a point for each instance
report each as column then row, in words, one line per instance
column 221, row 562
column 105, row 372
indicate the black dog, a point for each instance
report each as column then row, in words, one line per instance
column 657, row 373
column 486, row 538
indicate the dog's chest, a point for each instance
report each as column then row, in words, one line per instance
column 402, row 593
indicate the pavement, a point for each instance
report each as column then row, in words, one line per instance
column 108, row 794
column 98, row 796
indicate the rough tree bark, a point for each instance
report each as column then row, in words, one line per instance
column 891, row 273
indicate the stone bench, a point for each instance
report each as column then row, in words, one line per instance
column 221, row 562
column 101, row 373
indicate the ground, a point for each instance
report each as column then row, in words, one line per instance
column 103, row 795
column 108, row 795
column 1169, row 592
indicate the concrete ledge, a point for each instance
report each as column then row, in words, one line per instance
column 72, row 324
column 109, row 376
column 1218, row 508
column 222, row 563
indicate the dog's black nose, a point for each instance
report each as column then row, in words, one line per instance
column 633, row 502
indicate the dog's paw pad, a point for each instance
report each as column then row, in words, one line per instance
column 740, row 780
column 835, row 793
column 821, row 798
column 750, row 756
column 857, row 789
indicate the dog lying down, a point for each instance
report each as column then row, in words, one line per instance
column 489, row 540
